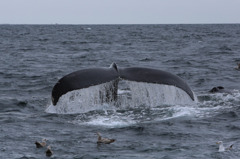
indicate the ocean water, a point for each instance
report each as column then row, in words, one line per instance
column 35, row 57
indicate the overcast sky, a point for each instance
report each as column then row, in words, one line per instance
column 119, row 11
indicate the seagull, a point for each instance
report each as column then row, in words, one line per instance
column 49, row 152
column 104, row 140
column 222, row 148
column 41, row 144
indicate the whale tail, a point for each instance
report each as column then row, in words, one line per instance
column 95, row 76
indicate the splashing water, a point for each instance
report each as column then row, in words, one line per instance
column 136, row 94
column 153, row 95
column 138, row 103
column 83, row 100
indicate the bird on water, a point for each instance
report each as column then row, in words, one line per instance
column 41, row 144
column 49, row 152
column 222, row 148
column 104, row 140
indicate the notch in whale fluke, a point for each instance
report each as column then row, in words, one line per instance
column 94, row 76
column 114, row 65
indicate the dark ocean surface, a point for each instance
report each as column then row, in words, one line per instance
column 34, row 57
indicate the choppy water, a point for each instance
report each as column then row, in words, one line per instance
column 33, row 58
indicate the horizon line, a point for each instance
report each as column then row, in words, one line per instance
column 117, row 23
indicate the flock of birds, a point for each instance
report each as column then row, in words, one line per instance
column 102, row 140
column 49, row 152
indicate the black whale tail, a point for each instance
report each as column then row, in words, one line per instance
column 94, row 76
column 83, row 79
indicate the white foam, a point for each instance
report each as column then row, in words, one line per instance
column 110, row 121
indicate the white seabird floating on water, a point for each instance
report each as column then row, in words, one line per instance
column 222, row 148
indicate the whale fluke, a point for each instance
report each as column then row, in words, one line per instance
column 149, row 75
column 94, row 76
column 83, row 79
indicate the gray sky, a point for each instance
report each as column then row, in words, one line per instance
column 119, row 11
